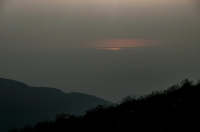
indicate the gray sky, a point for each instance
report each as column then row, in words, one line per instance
column 107, row 48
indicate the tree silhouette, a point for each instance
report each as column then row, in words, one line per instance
column 171, row 110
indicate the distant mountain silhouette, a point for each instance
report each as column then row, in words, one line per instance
column 21, row 104
column 173, row 110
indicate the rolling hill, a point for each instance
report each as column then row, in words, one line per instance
column 21, row 104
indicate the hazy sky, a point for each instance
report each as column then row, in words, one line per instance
column 107, row 48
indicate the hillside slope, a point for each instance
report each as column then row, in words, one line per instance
column 173, row 110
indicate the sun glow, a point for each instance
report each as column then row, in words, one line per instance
column 113, row 49
column 118, row 44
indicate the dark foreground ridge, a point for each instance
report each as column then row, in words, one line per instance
column 21, row 104
column 173, row 110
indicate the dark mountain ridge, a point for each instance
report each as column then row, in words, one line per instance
column 21, row 104
column 172, row 110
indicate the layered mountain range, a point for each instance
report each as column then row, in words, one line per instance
column 21, row 104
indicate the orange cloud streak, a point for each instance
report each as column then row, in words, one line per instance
column 117, row 44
